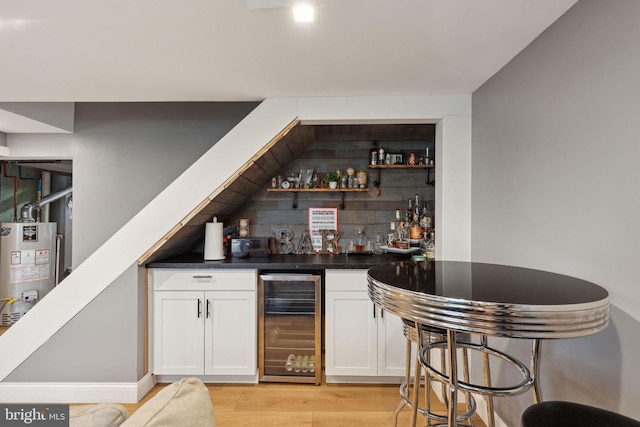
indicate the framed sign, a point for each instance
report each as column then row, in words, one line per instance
column 321, row 219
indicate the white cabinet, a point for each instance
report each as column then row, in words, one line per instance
column 361, row 340
column 204, row 323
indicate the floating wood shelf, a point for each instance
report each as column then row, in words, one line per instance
column 319, row 190
column 401, row 166
column 427, row 168
column 295, row 192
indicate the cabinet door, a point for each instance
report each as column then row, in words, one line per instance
column 230, row 333
column 391, row 345
column 178, row 333
column 350, row 334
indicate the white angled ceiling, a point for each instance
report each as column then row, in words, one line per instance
column 236, row 50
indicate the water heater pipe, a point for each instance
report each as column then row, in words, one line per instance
column 46, row 189
column 39, row 189
column 26, row 213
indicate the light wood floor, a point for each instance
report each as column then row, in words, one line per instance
column 302, row 405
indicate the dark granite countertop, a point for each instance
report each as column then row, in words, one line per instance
column 281, row 262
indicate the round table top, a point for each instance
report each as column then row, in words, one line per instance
column 490, row 299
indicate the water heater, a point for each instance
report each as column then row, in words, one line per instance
column 27, row 266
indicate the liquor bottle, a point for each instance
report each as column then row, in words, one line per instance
column 402, row 233
column 408, row 216
column 391, row 234
column 425, row 220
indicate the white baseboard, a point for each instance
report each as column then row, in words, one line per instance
column 348, row 379
column 212, row 379
column 19, row 392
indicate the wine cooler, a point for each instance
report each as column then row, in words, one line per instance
column 290, row 328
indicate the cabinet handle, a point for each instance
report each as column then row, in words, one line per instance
column 208, row 308
column 382, row 313
column 203, row 277
column 199, row 307
column 374, row 311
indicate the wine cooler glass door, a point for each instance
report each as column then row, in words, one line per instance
column 290, row 328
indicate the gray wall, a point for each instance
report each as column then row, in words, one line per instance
column 554, row 186
column 128, row 153
column 123, row 156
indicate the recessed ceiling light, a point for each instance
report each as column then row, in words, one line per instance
column 303, row 13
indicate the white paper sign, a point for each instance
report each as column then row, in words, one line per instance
column 321, row 219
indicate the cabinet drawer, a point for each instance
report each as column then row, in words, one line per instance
column 346, row 280
column 164, row 279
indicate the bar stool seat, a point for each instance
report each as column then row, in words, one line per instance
column 568, row 414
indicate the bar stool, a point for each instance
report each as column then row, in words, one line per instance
column 425, row 335
column 568, row 414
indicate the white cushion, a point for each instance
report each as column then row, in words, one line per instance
column 185, row 403
column 100, row 415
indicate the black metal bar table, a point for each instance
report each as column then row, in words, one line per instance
column 490, row 300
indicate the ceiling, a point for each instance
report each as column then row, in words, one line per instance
column 246, row 50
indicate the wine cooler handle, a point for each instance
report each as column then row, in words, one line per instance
column 208, row 308
column 199, row 307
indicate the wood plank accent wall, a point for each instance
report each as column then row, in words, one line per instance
column 340, row 148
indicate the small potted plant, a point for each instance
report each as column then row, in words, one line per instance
column 332, row 179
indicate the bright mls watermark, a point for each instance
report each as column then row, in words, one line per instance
column 34, row 415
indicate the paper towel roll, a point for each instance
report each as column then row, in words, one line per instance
column 213, row 247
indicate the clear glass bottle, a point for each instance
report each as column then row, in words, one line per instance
column 429, row 246
column 360, row 238
column 291, row 360
column 408, row 216
column 425, row 220
column 416, row 210
column 391, row 234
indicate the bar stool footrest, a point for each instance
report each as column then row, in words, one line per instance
column 524, row 385
column 471, row 407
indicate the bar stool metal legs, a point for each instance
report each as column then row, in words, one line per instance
column 421, row 336
column 487, row 381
